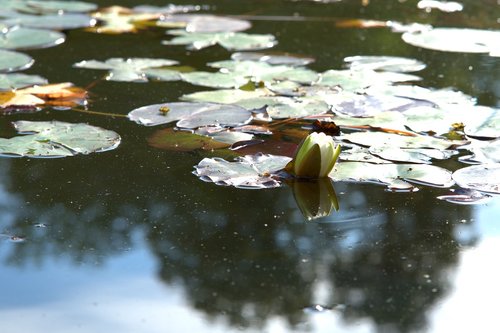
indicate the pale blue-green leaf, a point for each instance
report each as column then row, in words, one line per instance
column 229, row 40
column 484, row 178
column 224, row 135
column 215, row 80
column 51, row 6
column 55, row 22
column 411, row 155
column 392, row 175
column 57, row 139
column 225, row 96
column 384, row 63
column 11, row 61
column 483, row 152
column 273, row 58
column 456, row 40
column 204, row 23
column 191, row 115
column 17, row 38
column 15, row 81
column 162, row 74
column 250, row 172
column 126, row 69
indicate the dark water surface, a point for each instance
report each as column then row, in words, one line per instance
column 130, row 241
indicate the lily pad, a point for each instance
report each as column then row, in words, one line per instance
column 484, row 152
column 357, row 80
column 250, row 172
column 463, row 196
column 175, row 140
column 57, row 139
column 203, row 23
column 129, row 70
column 50, row 6
column 444, row 6
column 456, row 40
column 484, row 178
column 395, row 176
column 56, row 22
column 15, row 81
column 225, row 96
column 191, row 115
column 17, row 38
column 11, row 61
column 412, row 155
column 273, row 58
column 384, row 63
column 233, row 41
column 117, row 20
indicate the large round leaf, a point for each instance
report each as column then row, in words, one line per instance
column 484, row 178
column 456, row 40
column 56, row 22
column 11, row 61
column 15, row 81
column 204, row 23
column 384, row 63
column 191, row 115
column 27, row 38
column 57, row 139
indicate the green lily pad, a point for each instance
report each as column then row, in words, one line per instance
column 13, row 81
column 273, row 58
column 233, row 41
column 49, row 6
column 484, row 152
column 250, row 172
column 384, row 63
column 204, row 23
column 223, row 135
column 11, row 61
column 215, row 80
column 16, row 38
column 175, row 140
column 357, row 80
column 484, row 178
column 129, row 70
column 395, row 176
column 370, row 105
column 412, row 155
column 456, row 40
column 386, row 140
column 57, row 139
column 464, row 196
column 191, row 115
column 225, row 96
column 55, row 22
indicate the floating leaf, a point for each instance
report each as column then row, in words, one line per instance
column 191, row 115
column 251, row 171
column 393, row 175
column 225, row 96
column 484, row 178
column 130, row 69
column 117, row 20
column 203, row 23
column 411, row 155
column 49, row 6
column 56, row 22
column 14, row 81
column 57, row 139
column 175, row 140
column 444, row 6
column 380, row 139
column 228, row 40
column 16, row 38
column 223, row 135
column 464, row 196
column 273, row 58
column 456, row 40
column 61, row 94
column 484, row 152
column 384, row 63
column 11, row 61
column 357, row 80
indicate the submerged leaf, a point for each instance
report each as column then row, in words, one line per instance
column 57, row 139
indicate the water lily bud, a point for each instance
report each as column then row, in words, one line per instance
column 315, row 157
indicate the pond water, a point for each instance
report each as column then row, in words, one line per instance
column 129, row 240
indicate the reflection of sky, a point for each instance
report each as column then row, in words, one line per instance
column 472, row 305
column 122, row 296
